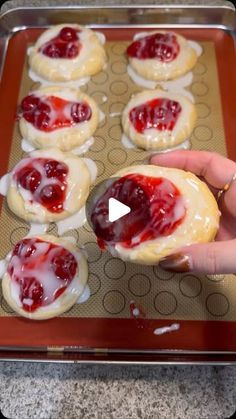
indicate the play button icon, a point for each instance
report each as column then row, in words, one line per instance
column 134, row 208
column 116, row 210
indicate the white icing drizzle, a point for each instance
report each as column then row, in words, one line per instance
column 127, row 143
column 166, row 187
column 84, row 296
column 15, row 292
column 66, row 110
column 68, row 95
column 136, row 312
column 45, row 181
column 5, row 183
column 140, row 35
column 181, row 82
column 29, row 50
column 84, row 251
column 196, row 46
column 3, row 267
column 37, row 229
column 183, row 146
column 70, row 223
column 70, row 83
column 193, row 44
column 101, row 37
column 114, row 114
column 140, row 81
column 27, row 301
column 101, row 116
column 44, row 275
column 82, row 149
column 104, row 99
column 187, row 94
column 26, row 146
column 71, row 239
column 92, row 168
column 178, row 85
column 199, row 218
column 161, row 330
column 178, row 211
column 75, row 220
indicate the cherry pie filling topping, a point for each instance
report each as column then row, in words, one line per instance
column 45, row 180
column 41, row 271
column 49, row 113
column 65, row 45
column 157, row 209
column 160, row 114
column 161, row 46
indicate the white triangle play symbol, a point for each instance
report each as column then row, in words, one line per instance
column 116, row 210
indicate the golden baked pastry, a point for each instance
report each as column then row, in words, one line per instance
column 58, row 117
column 44, row 277
column 48, row 185
column 67, row 52
column 170, row 208
column 161, row 55
column 158, row 120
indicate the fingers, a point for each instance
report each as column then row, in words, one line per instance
column 209, row 258
column 216, row 169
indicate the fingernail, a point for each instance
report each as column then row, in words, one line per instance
column 176, row 262
column 147, row 159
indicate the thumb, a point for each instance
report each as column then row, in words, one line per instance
column 210, row 258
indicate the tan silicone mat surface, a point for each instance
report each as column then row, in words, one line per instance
column 113, row 283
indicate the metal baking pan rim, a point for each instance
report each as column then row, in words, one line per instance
column 141, row 26
column 119, row 362
column 117, row 359
column 179, row 353
column 227, row 5
column 228, row 24
column 118, row 351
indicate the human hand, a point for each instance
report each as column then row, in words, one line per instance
column 217, row 257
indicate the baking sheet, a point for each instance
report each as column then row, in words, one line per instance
column 115, row 284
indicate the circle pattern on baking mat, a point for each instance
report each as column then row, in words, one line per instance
column 165, row 303
column 161, row 293
column 114, row 268
column 161, row 274
column 139, row 285
column 190, row 286
column 94, row 283
column 217, row 304
column 114, row 302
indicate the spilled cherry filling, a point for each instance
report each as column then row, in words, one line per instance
column 65, row 45
column 157, row 209
column 44, row 180
column 162, row 46
column 161, row 114
column 48, row 113
column 40, row 271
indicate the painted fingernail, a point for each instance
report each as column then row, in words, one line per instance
column 176, row 262
column 147, row 160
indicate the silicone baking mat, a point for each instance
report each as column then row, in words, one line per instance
column 116, row 285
